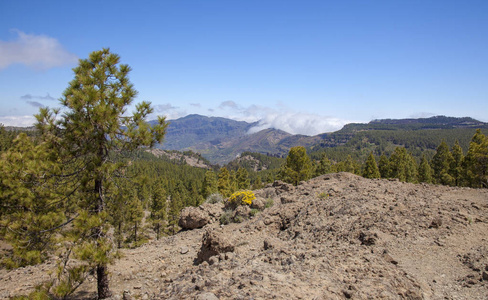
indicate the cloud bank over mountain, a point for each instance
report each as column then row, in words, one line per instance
column 279, row 117
column 299, row 123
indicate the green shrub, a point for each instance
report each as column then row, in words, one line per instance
column 269, row 203
column 323, row 195
column 226, row 217
column 215, row 198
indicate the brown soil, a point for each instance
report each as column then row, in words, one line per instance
column 338, row 236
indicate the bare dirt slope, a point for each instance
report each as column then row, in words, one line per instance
column 337, row 236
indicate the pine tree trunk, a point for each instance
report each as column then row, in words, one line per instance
column 102, row 282
column 102, row 269
column 119, row 240
column 135, row 232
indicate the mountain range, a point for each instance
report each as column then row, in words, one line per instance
column 220, row 140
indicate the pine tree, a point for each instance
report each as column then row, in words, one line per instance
column 441, row 165
column 258, row 184
column 243, row 182
column 371, row 168
column 384, row 166
column 194, row 197
column 175, row 206
column 425, row 171
column 297, row 167
column 209, row 185
column 476, row 161
column 411, row 169
column 233, row 181
column 117, row 205
column 92, row 127
column 134, row 214
column 324, row 166
column 402, row 165
column 224, row 184
column 456, row 168
column 31, row 200
column 158, row 208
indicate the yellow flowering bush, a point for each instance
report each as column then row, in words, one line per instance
column 241, row 198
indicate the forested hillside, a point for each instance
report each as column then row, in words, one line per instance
column 418, row 136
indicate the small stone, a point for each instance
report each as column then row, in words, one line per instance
column 436, row 223
column 484, row 276
column 126, row 295
column 184, row 250
column 213, row 260
column 267, row 245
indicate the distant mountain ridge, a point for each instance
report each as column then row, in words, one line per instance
column 437, row 120
column 220, row 140
column 196, row 131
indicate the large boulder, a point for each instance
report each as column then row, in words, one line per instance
column 197, row 217
column 258, row 203
column 214, row 242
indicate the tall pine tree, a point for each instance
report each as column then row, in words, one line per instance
column 371, row 168
column 224, row 183
column 441, row 165
column 158, row 208
column 209, row 185
column 297, row 167
column 93, row 125
column 476, row 161
column 425, row 171
column 324, row 166
column 243, row 182
column 384, row 166
column 456, row 168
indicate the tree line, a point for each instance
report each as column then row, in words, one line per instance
column 447, row 166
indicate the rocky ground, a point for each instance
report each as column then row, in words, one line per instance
column 338, row 236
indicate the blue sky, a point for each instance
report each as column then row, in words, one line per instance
column 301, row 66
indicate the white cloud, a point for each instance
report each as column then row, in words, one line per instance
column 281, row 118
column 36, row 51
column 168, row 110
column 19, row 121
column 299, row 123
column 229, row 105
column 161, row 108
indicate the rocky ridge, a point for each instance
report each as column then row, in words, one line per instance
column 338, row 236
